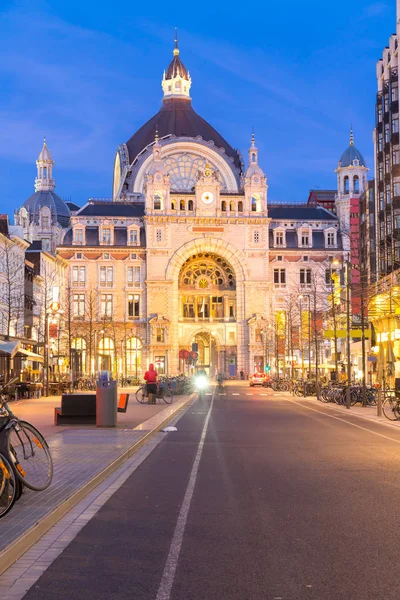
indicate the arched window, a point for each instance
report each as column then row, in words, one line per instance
column 346, row 185
column 173, row 205
column 134, row 356
column 253, row 157
column 45, row 172
column 182, row 205
column 157, row 201
column 106, row 354
column 231, row 205
column 190, row 205
column 356, row 183
column 240, row 206
column 223, row 205
column 254, row 204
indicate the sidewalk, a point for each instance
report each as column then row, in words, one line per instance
column 367, row 412
column 83, row 456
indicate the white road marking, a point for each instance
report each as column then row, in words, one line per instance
column 249, row 394
column 348, row 422
column 235, row 394
column 167, row 580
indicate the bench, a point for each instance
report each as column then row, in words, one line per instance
column 76, row 409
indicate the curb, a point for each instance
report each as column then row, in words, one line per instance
column 13, row 552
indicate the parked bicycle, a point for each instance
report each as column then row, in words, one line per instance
column 391, row 405
column 163, row 393
column 24, row 447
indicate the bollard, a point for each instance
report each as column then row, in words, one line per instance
column 379, row 404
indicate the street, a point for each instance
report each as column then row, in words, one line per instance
column 264, row 496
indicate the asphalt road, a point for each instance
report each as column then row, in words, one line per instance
column 289, row 503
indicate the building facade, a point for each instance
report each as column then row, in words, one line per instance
column 189, row 254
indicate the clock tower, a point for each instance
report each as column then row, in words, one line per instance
column 208, row 189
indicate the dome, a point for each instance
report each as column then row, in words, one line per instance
column 178, row 118
column 45, row 154
column 350, row 155
column 177, row 69
column 56, row 205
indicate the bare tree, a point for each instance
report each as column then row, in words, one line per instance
column 12, row 276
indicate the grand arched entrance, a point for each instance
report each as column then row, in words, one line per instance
column 207, row 309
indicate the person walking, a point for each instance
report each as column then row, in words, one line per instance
column 150, row 378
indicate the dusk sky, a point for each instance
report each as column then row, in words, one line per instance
column 88, row 75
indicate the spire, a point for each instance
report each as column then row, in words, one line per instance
column 351, row 136
column 44, row 181
column 176, row 80
column 156, row 135
column 253, row 150
column 176, row 49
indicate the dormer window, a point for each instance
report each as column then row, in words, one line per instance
column 106, row 235
column 133, row 236
column 304, row 237
column 330, row 239
column 78, row 236
column 280, row 238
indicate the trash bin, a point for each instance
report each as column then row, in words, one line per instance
column 106, row 403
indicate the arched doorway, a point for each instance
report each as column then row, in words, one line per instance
column 106, row 354
column 134, row 357
column 207, row 349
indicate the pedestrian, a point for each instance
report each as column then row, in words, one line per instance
column 241, row 375
column 150, row 378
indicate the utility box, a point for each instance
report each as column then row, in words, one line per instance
column 106, row 403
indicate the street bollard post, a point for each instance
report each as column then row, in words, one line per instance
column 379, row 404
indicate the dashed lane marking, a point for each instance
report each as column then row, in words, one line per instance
column 167, row 580
column 235, row 394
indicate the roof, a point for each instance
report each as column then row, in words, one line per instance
column 323, row 196
column 300, row 212
column 177, row 117
column 55, row 203
column 177, row 69
column 111, row 209
column 72, row 206
column 4, row 225
column 349, row 155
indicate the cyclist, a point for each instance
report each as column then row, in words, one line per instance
column 151, row 384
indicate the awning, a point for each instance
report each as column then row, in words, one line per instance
column 13, row 348
column 31, row 355
column 9, row 348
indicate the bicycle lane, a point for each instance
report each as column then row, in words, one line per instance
column 122, row 551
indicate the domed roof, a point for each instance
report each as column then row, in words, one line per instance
column 351, row 154
column 177, row 68
column 45, row 154
column 56, row 205
column 178, row 118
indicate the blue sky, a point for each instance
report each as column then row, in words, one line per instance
column 88, row 75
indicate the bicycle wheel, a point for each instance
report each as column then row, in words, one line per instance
column 30, row 455
column 167, row 396
column 8, row 486
column 141, row 395
column 390, row 409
